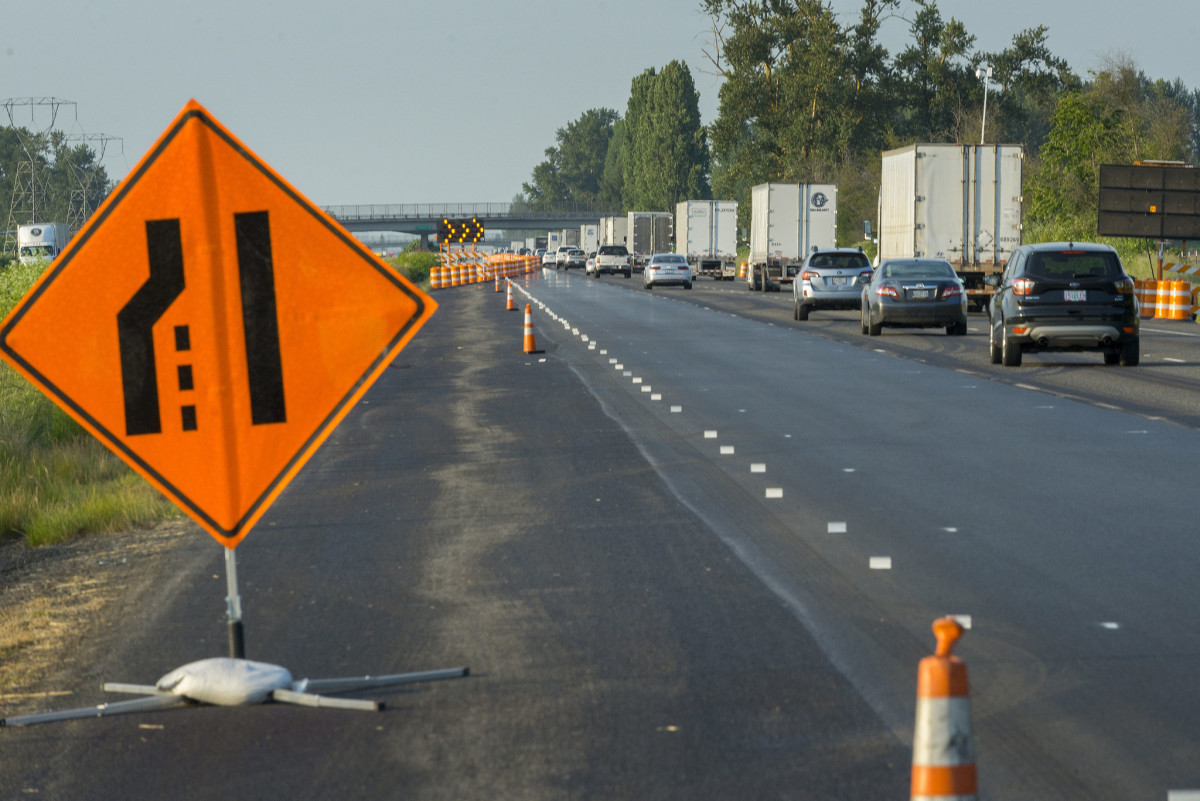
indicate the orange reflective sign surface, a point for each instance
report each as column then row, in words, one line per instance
column 211, row 326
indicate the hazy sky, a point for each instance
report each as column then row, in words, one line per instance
column 453, row 101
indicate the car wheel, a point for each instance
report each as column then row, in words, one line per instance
column 862, row 317
column 1010, row 352
column 957, row 328
column 648, row 286
column 1131, row 353
column 874, row 329
column 687, row 285
column 993, row 345
column 801, row 311
column 1112, row 356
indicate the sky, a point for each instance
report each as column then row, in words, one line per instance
column 360, row 102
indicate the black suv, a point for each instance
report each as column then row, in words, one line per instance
column 1063, row 296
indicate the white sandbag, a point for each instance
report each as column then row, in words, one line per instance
column 226, row 682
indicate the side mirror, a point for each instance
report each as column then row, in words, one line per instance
column 992, row 280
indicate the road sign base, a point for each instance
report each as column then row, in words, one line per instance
column 297, row 693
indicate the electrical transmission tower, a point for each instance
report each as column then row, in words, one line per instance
column 29, row 189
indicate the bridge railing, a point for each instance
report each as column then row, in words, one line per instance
column 414, row 211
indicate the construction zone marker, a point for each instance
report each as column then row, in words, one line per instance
column 512, row 306
column 530, row 342
column 943, row 746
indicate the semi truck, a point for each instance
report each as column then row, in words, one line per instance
column 706, row 233
column 614, row 230
column 570, row 236
column 961, row 203
column 649, row 232
column 786, row 222
column 553, row 240
column 41, row 241
column 589, row 237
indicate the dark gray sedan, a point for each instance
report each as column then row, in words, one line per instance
column 914, row 293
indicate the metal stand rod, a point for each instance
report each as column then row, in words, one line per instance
column 104, row 710
column 367, row 682
column 233, row 607
column 132, row 689
column 308, row 699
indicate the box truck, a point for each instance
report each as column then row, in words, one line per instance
column 614, row 230
column 706, row 233
column 589, row 237
column 649, row 232
column 41, row 241
column 961, row 203
column 787, row 221
column 570, row 237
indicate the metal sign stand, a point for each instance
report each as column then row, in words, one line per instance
column 305, row 692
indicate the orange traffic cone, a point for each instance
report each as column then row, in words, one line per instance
column 530, row 342
column 511, row 306
column 943, row 748
column 497, row 276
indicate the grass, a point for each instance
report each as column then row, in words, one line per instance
column 56, row 480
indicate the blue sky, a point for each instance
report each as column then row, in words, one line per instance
column 374, row 102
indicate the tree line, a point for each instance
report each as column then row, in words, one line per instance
column 806, row 97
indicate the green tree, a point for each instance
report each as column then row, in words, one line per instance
column 665, row 152
column 573, row 170
column 935, row 78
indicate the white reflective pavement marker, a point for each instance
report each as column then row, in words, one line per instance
column 836, row 528
column 726, row 450
column 676, row 409
column 710, row 434
column 774, row 492
column 881, row 563
column 645, row 388
column 758, row 467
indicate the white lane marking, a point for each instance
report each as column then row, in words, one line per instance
column 881, row 563
column 758, row 467
column 605, row 353
column 963, row 620
column 710, row 434
column 645, row 388
column 727, row 450
column 676, row 409
column 836, row 528
column 1111, row 626
column 610, row 361
column 656, row 396
column 774, row 492
column 1182, row 795
column 1026, row 386
column 637, row 380
column 950, row 529
column 618, row 367
column 575, row 331
column 1172, row 333
column 1172, row 359
column 627, row 374
column 741, row 411
column 1137, row 432
column 847, row 469
column 591, row 346
column 787, row 436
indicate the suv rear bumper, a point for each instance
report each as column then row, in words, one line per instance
column 1050, row 335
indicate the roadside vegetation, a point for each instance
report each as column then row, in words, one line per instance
column 56, row 480
column 414, row 263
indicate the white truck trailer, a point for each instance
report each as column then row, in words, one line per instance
column 787, row 221
column 570, row 237
column 649, row 232
column 589, row 237
column 706, row 233
column 41, row 241
column 961, row 203
column 553, row 240
column 614, row 230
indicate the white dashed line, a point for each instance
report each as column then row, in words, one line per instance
column 950, row 529
column 637, row 380
column 1110, row 625
column 610, row 361
column 774, row 492
column 836, row 528
column 710, row 434
column 727, row 450
column 645, row 387
column 848, row 470
column 656, row 397
column 676, row 409
column 881, row 563
column 1172, row 359
column 758, row 467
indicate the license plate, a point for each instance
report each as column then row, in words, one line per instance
column 919, row 294
column 1074, row 295
column 840, row 281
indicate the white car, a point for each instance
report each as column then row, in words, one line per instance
column 667, row 268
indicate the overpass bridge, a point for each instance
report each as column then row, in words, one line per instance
column 423, row 218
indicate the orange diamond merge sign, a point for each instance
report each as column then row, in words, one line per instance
column 211, row 326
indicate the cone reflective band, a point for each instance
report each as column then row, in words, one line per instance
column 943, row 747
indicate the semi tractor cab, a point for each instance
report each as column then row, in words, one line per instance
column 41, row 241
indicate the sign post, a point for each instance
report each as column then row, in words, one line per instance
column 211, row 326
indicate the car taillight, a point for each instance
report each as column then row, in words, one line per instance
column 1022, row 286
column 885, row 289
column 865, row 276
column 952, row 291
column 1125, row 286
column 807, row 275
column 653, row 266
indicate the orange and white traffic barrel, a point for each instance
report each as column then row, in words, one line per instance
column 1179, row 300
column 1146, row 292
column 943, row 746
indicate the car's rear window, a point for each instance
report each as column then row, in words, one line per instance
column 1073, row 264
column 613, row 250
column 841, row 261
column 917, row 270
column 669, row 259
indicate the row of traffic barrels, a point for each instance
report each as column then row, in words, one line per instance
column 1166, row 300
column 473, row 272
